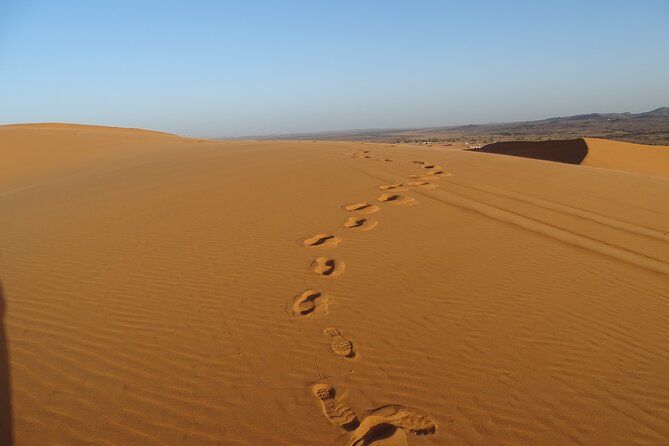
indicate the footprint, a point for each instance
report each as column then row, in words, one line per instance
column 439, row 172
column 396, row 186
column 388, row 425
column 363, row 154
column 362, row 208
column 424, row 177
column 308, row 302
column 328, row 267
column 338, row 413
column 418, row 162
column 361, row 223
column 396, row 199
column 423, row 184
column 340, row 345
column 321, row 241
column 431, row 166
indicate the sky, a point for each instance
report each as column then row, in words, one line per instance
column 236, row 68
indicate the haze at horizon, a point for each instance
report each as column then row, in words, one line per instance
column 259, row 67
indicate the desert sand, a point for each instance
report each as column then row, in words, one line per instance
column 593, row 152
column 161, row 290
column 626, row 156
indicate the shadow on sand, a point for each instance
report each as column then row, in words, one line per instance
column 570, row 151
column 6, row 434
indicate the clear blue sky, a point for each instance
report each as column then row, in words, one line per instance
column 224, row 68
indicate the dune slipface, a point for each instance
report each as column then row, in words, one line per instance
column 593, row 152
column 157, row 291
column 572, row 151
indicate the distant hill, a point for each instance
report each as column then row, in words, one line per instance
column 662, row 111
column 650, row 127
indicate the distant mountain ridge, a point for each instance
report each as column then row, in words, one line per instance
column 662, row 111
column 651, row 127
column 658, row 112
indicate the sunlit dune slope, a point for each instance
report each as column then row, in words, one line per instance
column 640, row 158
column 83, row 128
column 164, row 291
column 31, row 152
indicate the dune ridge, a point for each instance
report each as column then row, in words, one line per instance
column 28, row 157
column 626, row 156
column 593, row 152
column 51, row 126
column 170, row 292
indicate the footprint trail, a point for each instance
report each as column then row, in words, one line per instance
column 327, row 267
column 340, row 345
column 361, row 208
column 389, row 422
column 396, row 199
column 396, row 187
column 308, row 302
column 338, row 413
column 360, row 223
column 321, row 241
column 422, row 184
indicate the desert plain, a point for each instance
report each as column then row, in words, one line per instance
column 160, row 290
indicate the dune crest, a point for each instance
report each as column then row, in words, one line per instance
column 593, row 152
column 625, row 156
column 51, row 126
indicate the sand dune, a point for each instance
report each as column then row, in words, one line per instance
column 593, row 152
column 165, row 291
column 572, row 151
column 86, row 128
column 31, row 153
column 625, row 156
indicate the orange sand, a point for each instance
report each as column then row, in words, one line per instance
column 165, row 291
column 592, row 152
column 625, row 156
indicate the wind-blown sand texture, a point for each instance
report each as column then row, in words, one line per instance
column 167, row 291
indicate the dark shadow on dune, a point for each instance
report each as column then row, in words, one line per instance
column 570, row 151
column 6, row 434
